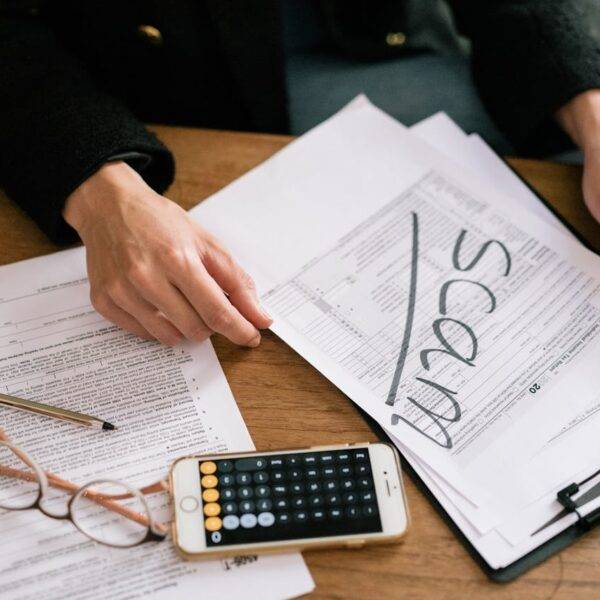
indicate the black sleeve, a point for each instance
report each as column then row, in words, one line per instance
column 57, row 128
column 529, row 58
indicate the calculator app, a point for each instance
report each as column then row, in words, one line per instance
column 288, row 496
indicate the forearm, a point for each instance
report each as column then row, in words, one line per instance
column 56, row 127
column 530, row 57
column 580, row 118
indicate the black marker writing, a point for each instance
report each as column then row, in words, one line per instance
column 448, row 348
column 444, row 293
column 439, row 417
column 410, row 311
column 480, row 253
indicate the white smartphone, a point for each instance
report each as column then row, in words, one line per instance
column 254, row 502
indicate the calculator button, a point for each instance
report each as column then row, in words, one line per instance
column 225, row 466
column 213, row 524
column 230, row 508
column 370, row 510
column 212, row 509
column 333, row 499
column 226, row 480
column 278, row 476
column 330, row 485
column 279, row 490
column 292, row 461
column 347, row 484
column 315, row 500
column 343, row 457
column 260, row 477
column 367, row 496
column 294, row 474
column 208, row 467
column 296, row 488
column 266, row 519
column 282, row 503
column 360, row 455
column 248, row 521
column 350, row 498
column 228, row 494
column 262, row 491
column 275, row 462
column 335, row 513
column 300, row 516
column 245, row 492
column 312, row 473
column 231, row 522
column 264, row 505
column 243, row 478
column 246, row 506
column 310, row 460
column 298, row 502
column 317, row 515
column 210, row 495
column 362, row 469
column 353, row 512
column 209, row 481
column 346, row 470
column 326, row 459
column 329, row 472
column 216, row 537
column 313, row 486
column 283, row 518
column 250, row 464
column 364, row 482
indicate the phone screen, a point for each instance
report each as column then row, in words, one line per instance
column 288, row 496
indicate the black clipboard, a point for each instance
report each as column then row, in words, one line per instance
column 544, row 550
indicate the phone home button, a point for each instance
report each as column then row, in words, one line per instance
column 189, row 504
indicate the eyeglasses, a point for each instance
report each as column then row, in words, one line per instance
column 110, row 512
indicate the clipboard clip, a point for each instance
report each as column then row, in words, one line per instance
column 565, row 499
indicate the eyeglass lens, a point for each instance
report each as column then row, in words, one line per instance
column 111, row 513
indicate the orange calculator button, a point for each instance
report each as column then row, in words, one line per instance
column 210, row 495
column 213, row 524
column 212, row 509
column 208, row 467
column 209, row 481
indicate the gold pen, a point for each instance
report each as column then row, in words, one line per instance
column 54, row 412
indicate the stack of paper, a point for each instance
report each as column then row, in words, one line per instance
column 166, row 403
column 441, row 297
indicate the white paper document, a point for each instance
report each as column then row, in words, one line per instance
column 453, row 316
column 512, row 539
column 165, row 403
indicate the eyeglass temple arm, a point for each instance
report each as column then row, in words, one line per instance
column 106, row 500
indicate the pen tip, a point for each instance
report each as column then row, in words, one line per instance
column 108, row 426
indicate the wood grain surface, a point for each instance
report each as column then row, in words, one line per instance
column 287, row 403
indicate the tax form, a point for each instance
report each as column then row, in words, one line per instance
column 456, row 319
column 165, row 402
column 513, row 538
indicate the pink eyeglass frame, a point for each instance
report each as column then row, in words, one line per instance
column 156, row 531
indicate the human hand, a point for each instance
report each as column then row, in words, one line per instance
column 580, row 118
column 154, row 271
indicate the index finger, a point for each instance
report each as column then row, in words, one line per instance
column 211, row 303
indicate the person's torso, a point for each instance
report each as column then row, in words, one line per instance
column 220, row 63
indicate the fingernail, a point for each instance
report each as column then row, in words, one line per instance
column 255, row 341
column 265, row 314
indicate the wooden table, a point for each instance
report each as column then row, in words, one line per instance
column 286, row 402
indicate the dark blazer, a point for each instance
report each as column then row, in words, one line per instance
column 79, row 77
